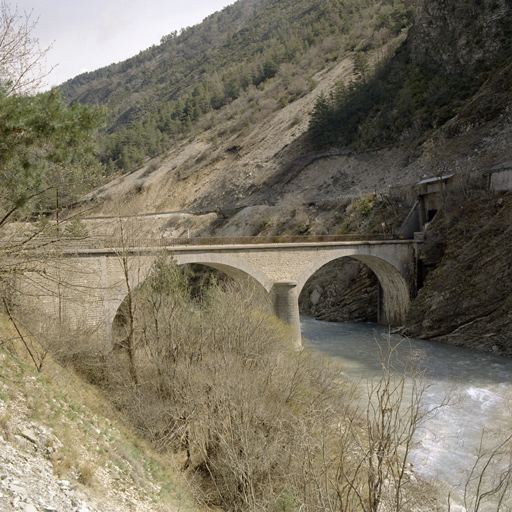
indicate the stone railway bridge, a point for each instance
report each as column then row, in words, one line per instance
column 85, row 282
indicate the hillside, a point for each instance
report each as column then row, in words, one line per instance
column 251, row 144
column 271, row 117
column 63, row 446
column 177, row 89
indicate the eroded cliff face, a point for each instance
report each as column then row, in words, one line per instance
column 467, row 299
column 460, row 36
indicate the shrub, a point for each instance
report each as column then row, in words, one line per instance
column 364, row 205
column 76, row 229
column 219, row 381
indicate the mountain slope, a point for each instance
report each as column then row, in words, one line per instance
column 176, row 88
column 248, row 166
column 224, row 107
column 63, row 446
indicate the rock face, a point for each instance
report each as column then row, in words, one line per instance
column 467, row 299
column 460, row 36
column 342, row 291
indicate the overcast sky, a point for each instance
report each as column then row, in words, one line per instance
column 90, row 34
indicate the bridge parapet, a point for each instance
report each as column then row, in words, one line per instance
column 118, row 244
column 246, row 240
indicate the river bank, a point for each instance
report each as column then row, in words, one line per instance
column 466, row 299
column 466, row 295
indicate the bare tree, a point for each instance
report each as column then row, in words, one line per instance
column 359, row 462
column 22, row 62
column 489, row 479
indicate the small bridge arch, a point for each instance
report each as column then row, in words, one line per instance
column 231, row 265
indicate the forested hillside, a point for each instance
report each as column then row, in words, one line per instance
column 177, row 87
column 453, row 72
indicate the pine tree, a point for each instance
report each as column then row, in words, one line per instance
column 322, row 124
column 37, row 132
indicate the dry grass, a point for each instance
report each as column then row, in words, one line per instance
column 85, row 434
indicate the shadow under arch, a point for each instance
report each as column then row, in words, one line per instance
column 343, row 290
column 395, row 290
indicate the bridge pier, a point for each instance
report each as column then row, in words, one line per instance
column 286, row 306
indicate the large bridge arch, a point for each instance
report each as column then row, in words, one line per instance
column 236, row 268
column 389, row 272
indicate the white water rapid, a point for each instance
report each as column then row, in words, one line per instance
column 481, row 383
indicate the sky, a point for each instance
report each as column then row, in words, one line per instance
column 89, row 34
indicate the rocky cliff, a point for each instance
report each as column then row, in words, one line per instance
column 461, row 37
column 467, row 299
column 342, row 291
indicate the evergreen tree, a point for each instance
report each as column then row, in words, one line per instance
column 37, row 132
column 323, row 123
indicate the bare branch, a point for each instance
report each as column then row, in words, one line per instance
column 23, row 65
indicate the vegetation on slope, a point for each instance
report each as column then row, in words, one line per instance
column 175, row 88
column 429, row 83
column 64, row 443
column 456, row 59
column 215, row 383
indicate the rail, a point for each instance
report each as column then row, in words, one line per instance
column 129, row 242
column 246, row 240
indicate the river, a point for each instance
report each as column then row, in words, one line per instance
column 481, row 384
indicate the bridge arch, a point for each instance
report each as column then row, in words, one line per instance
column 389, row 272
column 240, row 270
column 231, row 265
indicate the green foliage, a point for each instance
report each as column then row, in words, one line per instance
column 167, row 278
column 361, row 65
column 76, row 229
column 335, row 119
column 36, row 134
column 166, row 91
column 364, row 205
column 323, row 117
column 405, row 98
